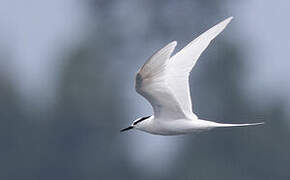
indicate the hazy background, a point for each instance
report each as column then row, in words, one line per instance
column 67, row 72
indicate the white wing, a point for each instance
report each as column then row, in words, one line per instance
column 163, row 81
column 182, row 63
column 151, row 82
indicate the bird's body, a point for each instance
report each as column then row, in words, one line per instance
column 174, row 127
column 168, row 127
column 163, row 81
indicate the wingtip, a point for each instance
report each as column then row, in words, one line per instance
column 227, row 20
column 173, row 43
column 218, row 28
column 230, row 18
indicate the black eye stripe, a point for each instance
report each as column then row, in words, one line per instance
column 142, row 119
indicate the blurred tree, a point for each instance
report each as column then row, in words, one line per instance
column 79, row 138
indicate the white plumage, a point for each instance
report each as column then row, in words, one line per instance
column 163, row 81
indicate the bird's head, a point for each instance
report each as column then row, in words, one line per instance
column 138, row 124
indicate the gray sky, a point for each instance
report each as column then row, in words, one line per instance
column 34, row 35
column 34, row 31
column 262, row 27
column 37, row 35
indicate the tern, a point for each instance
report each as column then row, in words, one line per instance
column 164, row 81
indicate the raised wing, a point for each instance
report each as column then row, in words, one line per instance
column 182, row 63
column 163, row 81
column 152, row 83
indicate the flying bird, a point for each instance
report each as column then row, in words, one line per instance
column 163, row 81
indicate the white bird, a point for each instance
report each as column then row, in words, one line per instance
column 163, row 81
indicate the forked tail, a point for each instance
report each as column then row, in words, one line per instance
column 237, row 125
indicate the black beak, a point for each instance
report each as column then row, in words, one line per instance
column 126, row 129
